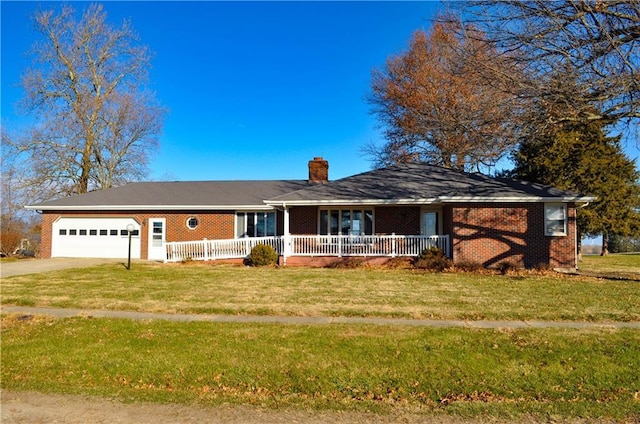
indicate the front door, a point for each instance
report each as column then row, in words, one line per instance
column 157, row 232
column 429, row 223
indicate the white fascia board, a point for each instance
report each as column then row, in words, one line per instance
column 151, row 207
column 442, row 199
column 524, row 199
column 337, row 202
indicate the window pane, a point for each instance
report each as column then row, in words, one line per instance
column 345, row 226
column 356, row 223
column 240, row 220
column 334, row 222
column 113, row 232
column 324, row 222
column 94, row 232
column 83, row 232
column 63, row 232
column 368, row 222
column 251, row 225
column 271, row 224
column 73, row 232
column 261, row 225
column 555, row 212
column 555, row 220
column 192, row 222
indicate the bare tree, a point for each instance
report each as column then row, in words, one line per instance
column 436, row 107
column 595, row 42
column 96, row 124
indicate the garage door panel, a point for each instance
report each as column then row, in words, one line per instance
column 94, row 238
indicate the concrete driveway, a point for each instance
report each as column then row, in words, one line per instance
column 34, row 266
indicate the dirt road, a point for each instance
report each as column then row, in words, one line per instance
column 37, row 408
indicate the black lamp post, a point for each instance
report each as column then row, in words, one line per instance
column 130, row 228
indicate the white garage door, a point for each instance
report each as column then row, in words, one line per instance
column 94, row 238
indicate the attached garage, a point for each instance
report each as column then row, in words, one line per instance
column 94, row 238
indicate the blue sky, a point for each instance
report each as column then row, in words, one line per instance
column 254, row 89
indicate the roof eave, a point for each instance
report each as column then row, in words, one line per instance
column 442, row 199
column 148, row 207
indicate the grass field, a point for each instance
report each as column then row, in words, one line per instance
column 500, row 373
column 617, row 264
column 195, row 288
column 548, row 373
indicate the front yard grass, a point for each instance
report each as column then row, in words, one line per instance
column 548, row 374
column 227, row 289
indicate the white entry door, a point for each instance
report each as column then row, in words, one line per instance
column 157, row 237
column 429, row 223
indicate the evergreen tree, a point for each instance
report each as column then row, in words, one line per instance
column 580, row 157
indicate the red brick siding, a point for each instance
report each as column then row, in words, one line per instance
column 490, row 234
column 303, row 220
column 403, row 220
column 211, row 225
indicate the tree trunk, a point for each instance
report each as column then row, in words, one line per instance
column 605, row 245
column 579, row 247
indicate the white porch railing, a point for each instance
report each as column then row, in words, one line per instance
column 387, row 245
column 308, row 245
column 208, row 250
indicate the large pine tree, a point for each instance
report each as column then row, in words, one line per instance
column 581, row 157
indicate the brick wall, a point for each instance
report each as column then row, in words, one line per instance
column 211, row 225
column 303, row 220
column 494, row 233
column 397, row 219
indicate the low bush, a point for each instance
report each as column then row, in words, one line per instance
column 262, row 255
column 432, row 259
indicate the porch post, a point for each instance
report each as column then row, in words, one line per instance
column 286, row 247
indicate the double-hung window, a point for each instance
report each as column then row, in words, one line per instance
column 346, row 222
column 555, row 219
column 255, row 224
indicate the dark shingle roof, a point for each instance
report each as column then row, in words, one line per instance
column 178, row 195
column 401, row 184
column 409, row 183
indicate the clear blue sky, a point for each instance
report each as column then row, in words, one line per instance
column 254, row 89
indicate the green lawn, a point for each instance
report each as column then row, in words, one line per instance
column 547, row 373
column 496, row 373
column 197, row 288
column 621, row 264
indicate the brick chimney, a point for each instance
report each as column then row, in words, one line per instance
column 318, row 171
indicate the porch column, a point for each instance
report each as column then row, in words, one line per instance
column 286, row 248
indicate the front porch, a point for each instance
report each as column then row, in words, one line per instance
column 308, row 245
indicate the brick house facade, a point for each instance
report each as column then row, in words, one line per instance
column 487, row 220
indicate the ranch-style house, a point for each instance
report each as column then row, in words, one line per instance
column 383, row 213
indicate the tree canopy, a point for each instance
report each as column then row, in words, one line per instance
column 599, row 41
column 95, row 122
column 435, row 107
column 582, row 158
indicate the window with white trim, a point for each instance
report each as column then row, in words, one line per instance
column 346, row 222
column 192, row 223
column 255, row 224
column 555, row 219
